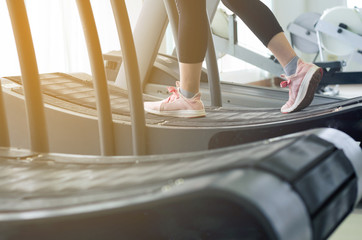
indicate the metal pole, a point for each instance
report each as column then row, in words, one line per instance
column 105, row 123
column 321, row 56
column 213, row 75
column 173, row 17
column 132, row 76
column 4, row 133
column 30, row 76
column 211, row 60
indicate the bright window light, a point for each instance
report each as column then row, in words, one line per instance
column 354, row 3
column 58, row 36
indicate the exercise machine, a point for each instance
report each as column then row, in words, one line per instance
column 73, row 112
column 274, row 189
column 72, row 108
column 336, row 32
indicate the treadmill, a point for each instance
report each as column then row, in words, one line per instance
column 300, row 186
column 71, row 106
column 72, row 111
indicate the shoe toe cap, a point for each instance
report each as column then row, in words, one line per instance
column 152, row 106
column 286, row 108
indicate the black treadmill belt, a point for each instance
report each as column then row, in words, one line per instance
column 54, row 176
column 199, row 195
column 249, row 116
column 74, row 92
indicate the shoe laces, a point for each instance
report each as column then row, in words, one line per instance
column 286, row 83
column 175, row 94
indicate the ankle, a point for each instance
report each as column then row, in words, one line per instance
column 291, row 67
column 186, row 94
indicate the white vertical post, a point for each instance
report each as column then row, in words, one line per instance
column 30, row 76
column 148, row 35
column 321, row 56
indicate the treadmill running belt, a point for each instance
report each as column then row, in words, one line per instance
column 80, row 92
column 236, row 125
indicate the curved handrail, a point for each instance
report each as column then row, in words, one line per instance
column 132, row 76
column 105, row 123
column 30, row 76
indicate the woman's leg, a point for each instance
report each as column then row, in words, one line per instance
column 193, row 36
column 190, row 74
column 281, row 48
column 302, row 78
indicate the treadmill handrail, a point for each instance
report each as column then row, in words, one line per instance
column 4, row 133
column 213, row 75
column 132, row 76
column 104, row 112
column 30, row 76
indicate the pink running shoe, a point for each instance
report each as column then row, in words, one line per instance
column 177, row 105
column 302, row 86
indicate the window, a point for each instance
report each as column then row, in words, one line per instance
column 57, row 35
column 354, row 3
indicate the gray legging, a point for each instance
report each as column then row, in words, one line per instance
column 193, row 25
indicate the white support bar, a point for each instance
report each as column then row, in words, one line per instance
column 248, row 56
column 302, row 32
column 339, row 33
column 321, row 55
column 104, row 112
column 30, row 76
column 148, row 35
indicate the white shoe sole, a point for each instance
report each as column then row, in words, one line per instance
column 306, row 90
column 179, row 113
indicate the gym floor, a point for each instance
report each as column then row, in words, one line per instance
column 351, row 228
